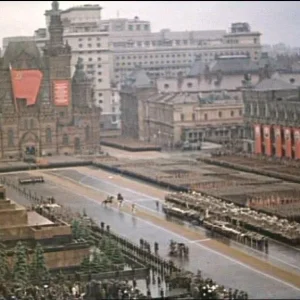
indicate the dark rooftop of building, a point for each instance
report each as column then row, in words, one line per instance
column 234, row 65
column 27, row 49
column 138, row 78
column 274, row 84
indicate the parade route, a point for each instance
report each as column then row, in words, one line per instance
column 88, row 187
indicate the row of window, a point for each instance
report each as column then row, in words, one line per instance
column 89, row 39
column 220, row 115
column 98, row 45
column 163, row 55
column 154, row 62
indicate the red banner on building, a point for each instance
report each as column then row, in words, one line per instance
column 297, row 142
column 267, row 140
column 288, row 142
column 26, row 84
column 258, row 139
column 61, row 92
column 278, row 141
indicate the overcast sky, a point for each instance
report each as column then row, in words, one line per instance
column 278, row 21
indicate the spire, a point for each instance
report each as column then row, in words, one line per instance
column 56, row 27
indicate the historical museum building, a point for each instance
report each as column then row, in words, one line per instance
column 44, row 110
column 272, row 114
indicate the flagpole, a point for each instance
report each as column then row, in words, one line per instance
column 11, row 77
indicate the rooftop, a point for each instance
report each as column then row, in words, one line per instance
column 274, row 84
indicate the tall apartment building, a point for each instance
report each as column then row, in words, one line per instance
column 167, row 53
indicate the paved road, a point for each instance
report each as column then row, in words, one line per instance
column 279, row 253
column 223, row 269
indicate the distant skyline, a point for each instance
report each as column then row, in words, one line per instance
column 278, row 21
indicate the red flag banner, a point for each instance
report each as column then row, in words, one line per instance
column 26, row 84
column 267, row 140
column 278, row 141
column 258, row 139
column 61, row 92
column 288, row 142
column 297, row 142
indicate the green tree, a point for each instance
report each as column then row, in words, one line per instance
column 105, row 264
column 109, row 248
column 85, row 265
column 38, row 268
column 117, row 256
column 4, row 270
column 20, row 272
column 76, row 229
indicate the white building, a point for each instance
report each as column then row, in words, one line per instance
column 168, row 53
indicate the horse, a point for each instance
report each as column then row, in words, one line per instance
column 108, row 200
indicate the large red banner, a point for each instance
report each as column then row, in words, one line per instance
column 258, row 140
column 288, row 142
column 26, row 84
column 61, row 92
column 278, row 141
column 267, row 140
column 297, row 142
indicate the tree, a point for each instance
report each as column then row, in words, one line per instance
column 4, row 270
column 117, row 256
column 20, row 272
column 38, row 268
column 85, row 265
column 76, row 229
column 105, row 264
column 109, row 247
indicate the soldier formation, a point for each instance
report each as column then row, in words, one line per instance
column 238, row 219
column 178, row 250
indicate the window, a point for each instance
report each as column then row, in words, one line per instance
column 205, row 117
column 220, row 114
column 182, row 117
column 99, row 80
column 99, row 58
column 146, row 27
column 80, row 45
column 193, row 117
column 99, row 73
column 31, row 123
column 240, row 112
column 25, row 124
column 87, row 132
column 10, row 138
column 89, row 39
column 90, row 58
column 189, row 84
column 166, row 86
column 232, row 113
column 99, row 66
column 80, row 39
column 90, row 45
column 48, row 135
column 138, row 27
column 100, row 94
column 98, row 45
column 65, row 140
column 130, row 27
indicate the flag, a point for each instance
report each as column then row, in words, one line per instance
column 26, row 84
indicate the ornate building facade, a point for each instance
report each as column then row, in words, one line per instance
column 43, row 110
column 271, row 116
